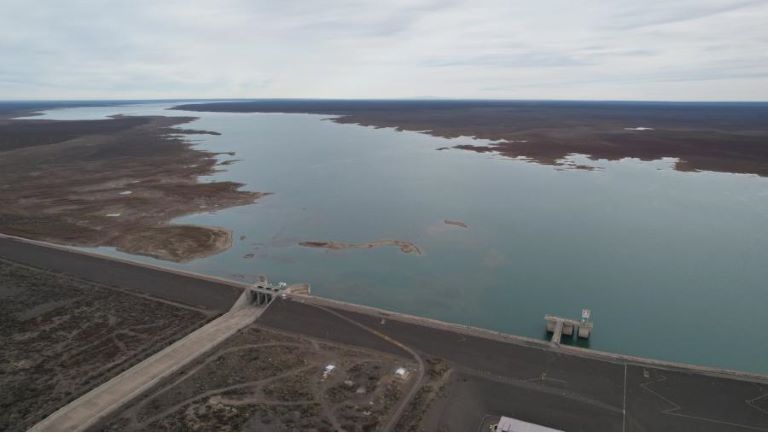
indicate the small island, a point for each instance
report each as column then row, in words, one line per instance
column 405, row 246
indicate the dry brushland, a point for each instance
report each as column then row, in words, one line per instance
column 62, row 336
column 262, row 380
column 112, row 182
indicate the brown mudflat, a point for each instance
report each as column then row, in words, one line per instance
column 404, row 246
column 724, row 137
column 456, row 223
column 113, row 182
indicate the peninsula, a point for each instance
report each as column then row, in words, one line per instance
column 113, row 182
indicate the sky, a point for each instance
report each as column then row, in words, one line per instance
column 484, row 49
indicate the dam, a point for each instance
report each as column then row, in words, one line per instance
column 648, row 228
column 561, row 387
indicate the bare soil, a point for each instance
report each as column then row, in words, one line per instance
column 471, row 378
column 113, row 182
column 433, row 389
column 261, row 380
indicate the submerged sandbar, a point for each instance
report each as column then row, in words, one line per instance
column 457, row 223
column 404, row 246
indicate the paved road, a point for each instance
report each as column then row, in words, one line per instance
column 542, row 384
column 99, row 402
column 531, row 382
column 196, row 292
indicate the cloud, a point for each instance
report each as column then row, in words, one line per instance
column 660, row 13
column 531, row 59
column 560, row 49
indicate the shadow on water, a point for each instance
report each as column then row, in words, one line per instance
column 568, row 340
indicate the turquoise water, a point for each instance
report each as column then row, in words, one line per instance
column 672, row 264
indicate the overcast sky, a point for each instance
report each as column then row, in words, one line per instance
column 554, row 49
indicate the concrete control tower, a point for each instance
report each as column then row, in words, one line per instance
column 560, row 326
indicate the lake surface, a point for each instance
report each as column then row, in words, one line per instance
column 673, row 265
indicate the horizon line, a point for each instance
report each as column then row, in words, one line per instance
column 415, row 99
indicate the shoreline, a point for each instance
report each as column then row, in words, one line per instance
column 702, row 137
column 425, row 321
column 529, row 341
column 117, row 182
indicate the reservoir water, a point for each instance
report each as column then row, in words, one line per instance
column 673, row 264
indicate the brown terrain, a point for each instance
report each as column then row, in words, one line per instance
column 62, row 336
column 114, row 182
column 262, row 380
column 405, row 246
column 713, row 136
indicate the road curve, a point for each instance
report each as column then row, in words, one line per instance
column 398, row 412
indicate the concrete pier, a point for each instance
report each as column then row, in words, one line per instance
column 560, row 326
column 564, row 387
column 557, row 331
column 568, row 328
column 585, row 329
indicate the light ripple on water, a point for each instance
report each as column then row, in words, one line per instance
column 672, row 264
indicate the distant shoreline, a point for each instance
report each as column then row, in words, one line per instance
column 703, row 136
